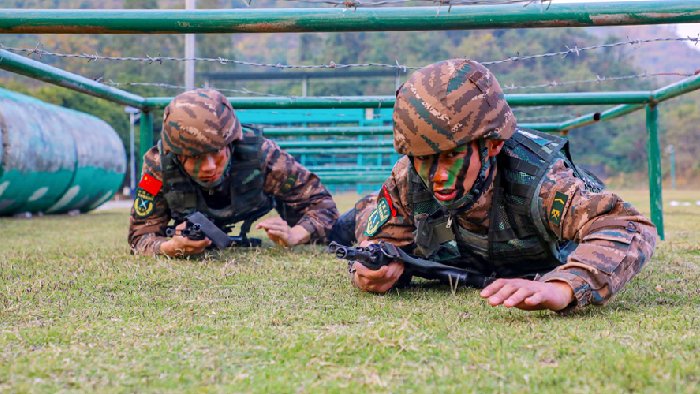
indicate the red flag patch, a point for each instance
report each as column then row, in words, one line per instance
column 387, row 196
column 150, row 184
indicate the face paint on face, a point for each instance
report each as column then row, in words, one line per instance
column 206, row 169
column 445, row 173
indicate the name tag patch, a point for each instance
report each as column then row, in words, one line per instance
column 558, row 205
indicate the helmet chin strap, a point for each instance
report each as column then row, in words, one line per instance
column 482, row 182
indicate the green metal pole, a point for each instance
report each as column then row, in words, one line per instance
column 146, row 133
column 676, row 89
column 327, row 131
column 665, row 93
column 595, row 117
column 351, row 169
column 654, row 160
column 350, row 179
column 367, row 130
column 582, row 98
column 342, row 151
column 320, row 102
column 23, row 21
column 331, row 143
column 43, row 72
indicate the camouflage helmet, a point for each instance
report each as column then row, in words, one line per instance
column 199, row 121
column 447, row 104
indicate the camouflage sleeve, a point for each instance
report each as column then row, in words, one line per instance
column 300, row 190
column 615, row 240
column 387, row 218
column 149, row 213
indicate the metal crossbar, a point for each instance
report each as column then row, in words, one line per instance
column 281, row 20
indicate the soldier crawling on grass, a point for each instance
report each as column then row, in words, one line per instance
column 207, row 162
column 475, row 191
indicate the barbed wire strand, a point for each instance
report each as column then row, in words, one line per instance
column 552, row 84
column 544, row 117
column 570, row 50
column 251, row 92
column 183, row 88
column 599, row 79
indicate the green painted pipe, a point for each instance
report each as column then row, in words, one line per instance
column 516, row 100
column 359, row 174
column 595, row 117
column 355, row 169
column 335, row 131
column 662, row 94
column 368, row 130
column 581, row 98
column 23, row 21
column 336, row 144
column 348, row 151
column 145, row 134
column 353, row 179
column 676, row 89
column 654, row 163
column 43, row 72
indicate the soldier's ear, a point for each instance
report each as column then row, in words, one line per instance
column 494, row 146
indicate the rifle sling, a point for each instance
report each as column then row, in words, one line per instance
column 434, row 270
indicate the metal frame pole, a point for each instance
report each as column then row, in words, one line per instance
column 146, row 135
column 295, row 20
column 654, row 160
column 189, row 51
column 132, row 157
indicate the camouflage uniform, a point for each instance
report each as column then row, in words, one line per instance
column 540, row 217
column 203, row 127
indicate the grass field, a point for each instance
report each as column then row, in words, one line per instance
column 78, row 312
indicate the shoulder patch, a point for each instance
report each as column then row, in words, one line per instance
column 288, row 183
column 378, row 217
column 558, row 205
column 143, row 203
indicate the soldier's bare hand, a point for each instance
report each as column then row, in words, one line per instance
column 280, row 233
column 179, row 246
column 528, row 295
column 376, row 281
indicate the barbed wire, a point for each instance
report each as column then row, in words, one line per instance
column 537, row 108
column 599, row 79
column 570, row 50
column 552, row 84
column 183, row 88
column 251, row 92
column 544, row 117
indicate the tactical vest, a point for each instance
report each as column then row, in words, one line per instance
column 518, row 243
column 245, row 184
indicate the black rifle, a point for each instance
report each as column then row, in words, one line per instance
column 378, row 255
column 198, row 227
